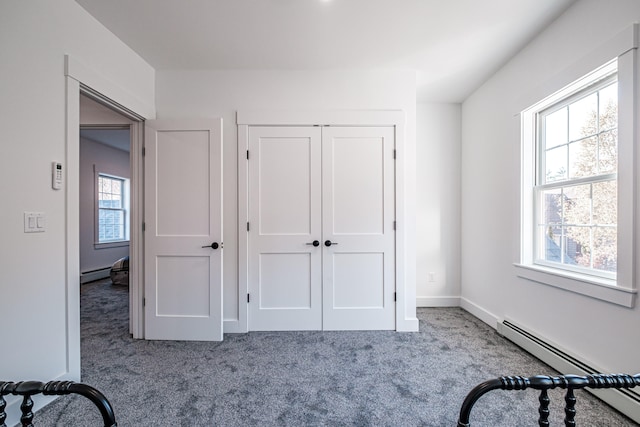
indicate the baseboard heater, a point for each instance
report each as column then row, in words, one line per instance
column 626, row 401
column 91, row 275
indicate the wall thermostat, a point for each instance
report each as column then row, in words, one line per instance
column 56, row 175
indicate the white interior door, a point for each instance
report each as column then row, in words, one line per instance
column 358, row 182
column 183, row 230
column 334, row 186
column 284, row 221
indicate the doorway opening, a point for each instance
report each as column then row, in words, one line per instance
column 105, row 205
column 110, row 202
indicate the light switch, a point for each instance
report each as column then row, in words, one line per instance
column 35, row 222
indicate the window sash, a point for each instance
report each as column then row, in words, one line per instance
column 541, row 144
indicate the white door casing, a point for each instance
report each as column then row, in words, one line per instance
column 358, row 204
column 321, row 184
column 284, row 219
column 183, row 220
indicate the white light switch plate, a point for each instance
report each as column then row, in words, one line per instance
column 35, row 222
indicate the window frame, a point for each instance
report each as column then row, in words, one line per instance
column 98, row 244
column 587, row 86
column 622, row 289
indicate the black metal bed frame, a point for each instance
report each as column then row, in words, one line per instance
column 545, row 383
column 57, row 388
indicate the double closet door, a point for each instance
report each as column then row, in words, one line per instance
column 321, row 238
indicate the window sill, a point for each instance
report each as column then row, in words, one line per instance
column 109, row 245
column 602, row 289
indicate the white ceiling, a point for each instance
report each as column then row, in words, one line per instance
column 454, row 45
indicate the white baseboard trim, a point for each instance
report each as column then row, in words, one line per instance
column 410, row 324
column 479, row 312
column 438, row 301
column 90, row 276
column 625, row 401
column 233, row 326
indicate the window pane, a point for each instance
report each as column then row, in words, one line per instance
column 605, row 246
column 552, row 236
column 608, row 152
column 551, row 206
column 555, row 128
column 605, row 203
column 578, row 246
column 583, row 156
column 609, row 107
column 582, row 117
column 577, row 205
column 556, row 164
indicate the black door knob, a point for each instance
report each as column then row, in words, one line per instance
column 214, row 245
column 314, row 243
column 327, row 243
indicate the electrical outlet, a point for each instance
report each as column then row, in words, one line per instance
column 432, row 277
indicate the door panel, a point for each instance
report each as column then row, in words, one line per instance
column 191, row 149
column 358, row 217
column 183, row 217
column 284, row 218
column 284, row 179
column 358, row 280
column 276, row 293
column 357, row 184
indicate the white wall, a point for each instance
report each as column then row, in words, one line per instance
column 605, row 335
column 97, row 158
column 223, row 93
column 34, row 37
column 438, row 204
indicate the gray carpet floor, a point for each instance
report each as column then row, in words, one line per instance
column 305, row 378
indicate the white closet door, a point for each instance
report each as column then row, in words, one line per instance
column 284, row 219
column 358, row 223
column 183, row 218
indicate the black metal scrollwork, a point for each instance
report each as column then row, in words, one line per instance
column 544, row 383
column 59, row 388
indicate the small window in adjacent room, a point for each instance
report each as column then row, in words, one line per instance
column 113, row 204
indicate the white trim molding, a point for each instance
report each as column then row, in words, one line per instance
column 439, row 301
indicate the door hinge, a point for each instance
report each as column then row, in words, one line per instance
column 144, row 302
column 394, row 153
column 395, row 296
column 144, row 151
column 394, row 225
column 247, row 226
column 144, row 226
column 247, row 154
column 248, row 298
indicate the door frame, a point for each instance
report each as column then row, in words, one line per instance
column 82, row 79
column 405, row 252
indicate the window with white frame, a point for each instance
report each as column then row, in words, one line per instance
column 575, row 194
column 112, row 209
column 578, row 189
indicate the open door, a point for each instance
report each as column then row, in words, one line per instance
column 183, row 230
